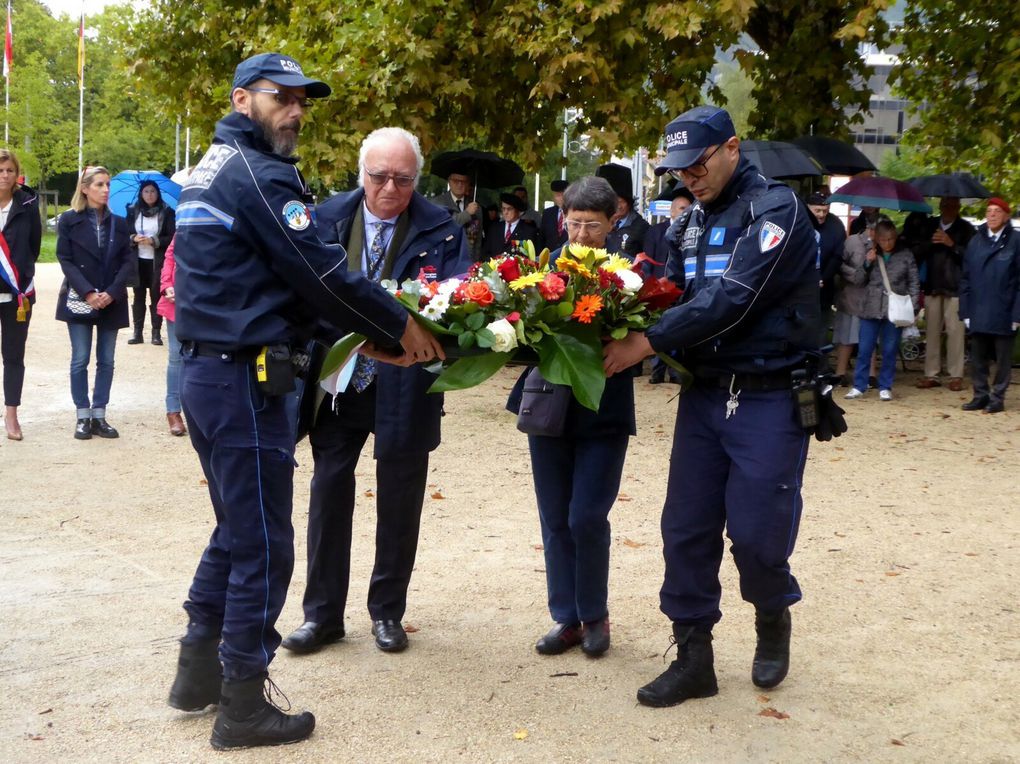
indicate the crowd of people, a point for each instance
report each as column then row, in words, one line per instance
column 248, row 281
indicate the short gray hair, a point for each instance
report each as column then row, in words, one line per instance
column 385, row 135
column 590, row 194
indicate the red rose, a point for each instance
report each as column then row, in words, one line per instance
column 552, row 287
column 509, row 270
column 607, row 279
column 513, row 317
column 659, row 293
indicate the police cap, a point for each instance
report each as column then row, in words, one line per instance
column 691, row 133
column 278, row 68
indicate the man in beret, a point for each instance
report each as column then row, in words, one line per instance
column 747, row 329
column 627, row 236
column 990, row 304
column 501, row 235
column 553, row 229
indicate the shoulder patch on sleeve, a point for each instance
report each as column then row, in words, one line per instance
column 770, row 236
column 296, row 215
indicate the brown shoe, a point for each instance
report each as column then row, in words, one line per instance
column 926, row 382
column 176, row 423
column 956, row 384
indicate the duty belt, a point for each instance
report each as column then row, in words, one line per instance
column 205, row 350
column 761, row 382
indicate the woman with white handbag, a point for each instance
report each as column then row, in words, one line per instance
column 892, row 298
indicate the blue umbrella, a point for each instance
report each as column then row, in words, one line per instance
column 124, row 188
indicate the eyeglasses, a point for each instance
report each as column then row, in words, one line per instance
column 697, row 170
column 584, row 225
column 284, row 99
column 400, row 181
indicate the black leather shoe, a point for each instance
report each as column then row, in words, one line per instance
column 772, row 654
column 560, row 638
column 595, row 638
column 157, row 340
column 390, row 636
column 136, row 340
column 977, row 403
column 995, row 407
column 691, row 675
column 103, row 430
column 310, row 637
column 83, row 429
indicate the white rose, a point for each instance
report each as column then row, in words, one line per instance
column 506, row 336
column 632, row 282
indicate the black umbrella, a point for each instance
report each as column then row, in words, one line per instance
column 961, row 184
column 483, row 167
column 837, row 157
column 780, row 160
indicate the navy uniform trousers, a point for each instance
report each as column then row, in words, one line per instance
column 245, row 443
column 337, row 440
column 742, row 474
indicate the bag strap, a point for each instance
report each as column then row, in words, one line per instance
column 885, row 276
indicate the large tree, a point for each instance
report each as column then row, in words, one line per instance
column 961, row 70
column 493, row 74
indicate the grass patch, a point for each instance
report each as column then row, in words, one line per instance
column 48, row 251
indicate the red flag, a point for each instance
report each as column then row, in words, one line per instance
column 8, row 44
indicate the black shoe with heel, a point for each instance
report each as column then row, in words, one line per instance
column 390, row 636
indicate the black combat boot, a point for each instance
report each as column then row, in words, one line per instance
column 199, row 676
column 772, row 655
column 247, row 718
column 691, row 675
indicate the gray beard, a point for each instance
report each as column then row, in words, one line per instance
column 284, row 144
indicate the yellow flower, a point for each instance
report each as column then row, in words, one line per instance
column 528, row 279
column 569, row 265
column 617, row 263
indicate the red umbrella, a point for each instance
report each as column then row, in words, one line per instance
column 884, row 193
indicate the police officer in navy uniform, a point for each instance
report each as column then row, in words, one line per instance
column 747, row 255
column 252, row 277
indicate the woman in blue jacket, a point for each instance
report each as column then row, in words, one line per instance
column 94, row 251
column 577, row 474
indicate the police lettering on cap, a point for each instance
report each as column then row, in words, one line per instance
column 691, row 133
column 281, row 69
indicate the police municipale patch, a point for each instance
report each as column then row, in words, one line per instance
column 770, row 236
column 296, row 215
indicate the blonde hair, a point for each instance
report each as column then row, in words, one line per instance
column 78, row 201
column 7, row 155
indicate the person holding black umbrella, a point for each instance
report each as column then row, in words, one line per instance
column 154, row 224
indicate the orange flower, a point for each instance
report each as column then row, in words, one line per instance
column 476, row 291
column 587, row 307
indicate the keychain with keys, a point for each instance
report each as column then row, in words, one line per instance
column 732, row 403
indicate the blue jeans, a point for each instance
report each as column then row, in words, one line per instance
column 173, row 370
column 576, row 482
column 873, row 332
column 81, row 352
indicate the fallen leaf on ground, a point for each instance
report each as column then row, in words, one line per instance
column 203, row 481
column 970, row 554
column 410, row 629
column 773, row 713
column 539, row 547
column 437, row 495
column 369, row 494
column 623, row 497
column 763, row 698
column 633, row 544
column 891, row 573
column 520, row 734
column 894, row 741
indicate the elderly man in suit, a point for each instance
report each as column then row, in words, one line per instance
column 459, row 199
column 389, row 231
column 553, row 228
column 627, row 237
column 499, row 236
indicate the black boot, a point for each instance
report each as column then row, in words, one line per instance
column 246, row 718
column 138, row 317
column 691, row 675
column 157, row 327
column 199, row 676
column 772, row 655
column 136, row 338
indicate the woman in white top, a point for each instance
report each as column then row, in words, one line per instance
column 153, row 225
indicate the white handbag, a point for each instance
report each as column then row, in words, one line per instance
column 901, row 307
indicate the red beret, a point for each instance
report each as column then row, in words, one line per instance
column 1000, row 203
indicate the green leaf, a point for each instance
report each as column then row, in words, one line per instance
column 339, row 352
column 619, row 332
column 469, row 372
column 574, row 357
column 485, row 338
column 466, row 340
column 475, row 321
column 564, row 309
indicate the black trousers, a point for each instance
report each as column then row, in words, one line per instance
column 13, row 336
column 337, row 440
column 148, row 284
column 984, row 349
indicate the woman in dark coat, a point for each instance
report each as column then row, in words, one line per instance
column 94, row 251
column 577, row 475
column 153, row 225
column 19, row 249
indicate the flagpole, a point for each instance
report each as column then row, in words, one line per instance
column 8, row 61
column 81, row 88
